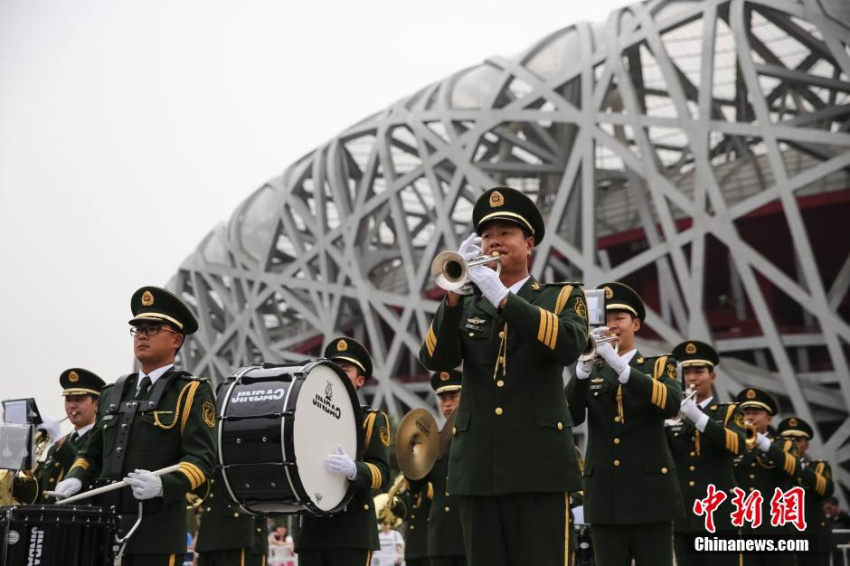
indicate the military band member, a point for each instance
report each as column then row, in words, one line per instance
column 816, row 478
column 512, row 460
column 350, row 536
column 631, row 495
column 150, row 420
column 704, row 442
column 81, row 389
column 417, row 499
column 227, row 534
column 771, row 464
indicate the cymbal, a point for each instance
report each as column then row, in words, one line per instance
column 416, row 444
column 445, row 444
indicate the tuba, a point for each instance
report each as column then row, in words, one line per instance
column 450, row 270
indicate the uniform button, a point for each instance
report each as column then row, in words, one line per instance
column 52, row 480
column 447, row 494
column 500, row 383
column 212, row 481
column 236, row 514
column 752, row 476
column 412, row 527
column 691, row 468
column 412, row 517
column 447, row 509
column 692, row 454
column 751, row 489
column 617, row 419
column 502, row 334
column 454, row 430
column 596, row 393
column 663, row 470
column 471, row 334
column 209, row 509
column 616, row 462
column 211, row 495
column 691, row 483
column 616, row 441
column 693, row 438
column 259, row 530
column 753, row 465
column 56, row 465
column 366, row 507
column 560, row 426
column 499, row 410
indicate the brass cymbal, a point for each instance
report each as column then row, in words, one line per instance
column 417, row 444
column 446, row 435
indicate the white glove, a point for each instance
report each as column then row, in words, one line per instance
column 340, row 463
column 488, row 281
column 583, row 369
column 762, row 442
column 51, row 426
column 67, row 488
column 145, row 485
column 614, row 361
column 470, row 248
column 694, row 414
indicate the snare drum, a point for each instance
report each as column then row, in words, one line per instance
column 276, row 425
column 55, row 535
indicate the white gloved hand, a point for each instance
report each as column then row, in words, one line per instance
column 583, row 369
column 694, row 414
column 614, row 361
column 488, row 281
column 341, row 463
column 470, row 248
column 762, row 442
column 52, row 427
column 145, row 485
column 67, row 488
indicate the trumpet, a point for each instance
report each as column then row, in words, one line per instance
column 751, row 435
column 450, row 270
column 690, row 394
column 598, row 335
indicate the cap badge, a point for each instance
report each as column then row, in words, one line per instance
column 342, row 345
column 73, row 377
column 690, row 348
column 496, row 199
column 751, row 394
column 444, row 376
column 147, row 299
column 792, row 422
column 609, row 294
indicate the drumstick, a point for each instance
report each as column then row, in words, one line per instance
column 110, row 487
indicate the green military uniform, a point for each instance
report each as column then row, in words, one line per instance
column 764, row 472
column 227, row 534
column 702, row 458
column 418, row 504
column 815, row 476
column 173, row 422
column 631, row 494
column 61, row 455
column 349, row 537
column 260, row 550
column 512, row 458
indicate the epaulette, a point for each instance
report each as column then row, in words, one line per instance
column 564, row 284
column 190, row 377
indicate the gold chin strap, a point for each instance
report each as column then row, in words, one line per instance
column 502, row 357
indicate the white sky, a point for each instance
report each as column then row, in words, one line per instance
column 128, row 130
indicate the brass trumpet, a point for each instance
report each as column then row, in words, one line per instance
column 751, row 435
column 450, row 270
column 598, row 335
column 690, row 394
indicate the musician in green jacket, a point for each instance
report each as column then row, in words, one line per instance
column 704, row 441
column 349, row 537
column 815, row 476
column 227, row 533
column 512, row 461
column 81, row 389
column 631, row 495
column 153, row 419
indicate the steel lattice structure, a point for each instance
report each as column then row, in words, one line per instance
column 697, row 150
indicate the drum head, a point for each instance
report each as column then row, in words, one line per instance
column 326, row 417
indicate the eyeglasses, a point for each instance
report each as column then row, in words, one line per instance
column 149, row 330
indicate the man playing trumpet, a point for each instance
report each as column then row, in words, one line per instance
column 704, row 443
column 512, row 460
column 631, row 494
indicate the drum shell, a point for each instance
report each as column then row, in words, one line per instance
column 256, row 448
column 57, row 535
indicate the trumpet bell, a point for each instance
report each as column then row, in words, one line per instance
column 450, row 270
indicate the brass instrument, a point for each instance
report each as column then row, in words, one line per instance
column 417, row 444
column 21, row 487
column 751, row 434
column 598, row 335
column 389, row 508
column 691, row 392
column 450, row 270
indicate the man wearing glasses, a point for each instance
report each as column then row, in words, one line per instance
column 149, row 420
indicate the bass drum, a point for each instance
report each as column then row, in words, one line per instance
column 276, row 425
column 54, row 535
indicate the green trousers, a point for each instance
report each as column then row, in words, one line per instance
column 335, row 557
column 681, row 544
column 649, row 544
column 447, row 561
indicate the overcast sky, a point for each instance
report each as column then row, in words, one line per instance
column 128, row 130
